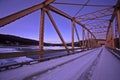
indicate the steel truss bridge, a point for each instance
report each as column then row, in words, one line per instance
column 102, row 24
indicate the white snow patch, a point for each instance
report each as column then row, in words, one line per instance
column 108, row 67
column 118, row 49
column 4, row 50
column 14, row 60
column 22, row 59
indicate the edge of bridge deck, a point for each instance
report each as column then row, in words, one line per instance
column 8, row 67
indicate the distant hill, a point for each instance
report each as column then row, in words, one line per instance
column 11, row 40
column 15, row 40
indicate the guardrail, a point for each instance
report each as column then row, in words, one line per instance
column 115, row 52
column 16, row 54
column 28, row 53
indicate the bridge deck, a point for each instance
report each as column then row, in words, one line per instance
column 96, row 64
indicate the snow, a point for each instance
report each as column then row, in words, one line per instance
column 8, row 61
column 72, row 67
column 70, row 71
column 14, row 60
column 108, row 67
column 118, row 49
column 29, row 70
column 57, row 47
column 22, row 59
column 4, row 49
column 28, row 48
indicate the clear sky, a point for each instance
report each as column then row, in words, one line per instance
column 28, row 26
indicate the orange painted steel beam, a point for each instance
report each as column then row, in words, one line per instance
column 20, row 14
column 85, row 39
column 73, row 28
column 118, row 22
column 67, row 16
column 95, row 15
column 59, row 12
column 113, row 16
column 57, row 30
column 110, row 42
column 98, row 27
column 112, row 36
column 91, row 41
column 83, row 36
column 41, row 35
column 74, row 4
column 88, row 40
column 77, row 35
column 99, row 32
column 81, row 8
column 98, row 22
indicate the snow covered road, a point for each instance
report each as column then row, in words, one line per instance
column 69, row 71
column 108, row 67
column 94, row 64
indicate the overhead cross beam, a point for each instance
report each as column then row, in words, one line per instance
column 74, row 4
column 99, row 32
column 95, row 15
column 96, row 27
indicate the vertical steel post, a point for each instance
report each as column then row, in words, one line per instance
column 84, row 39
column 88, row 40
column 108, row 42
column 73, row 27
column 41, row 36
column 77, row 35
column 83, row 45
column 91, row 41
column 112, row 36
column 118, row 21
column 57, row 30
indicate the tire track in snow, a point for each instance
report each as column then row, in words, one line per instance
column 31, row 77
column 87, row 74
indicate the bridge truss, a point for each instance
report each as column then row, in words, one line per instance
column 95, row 25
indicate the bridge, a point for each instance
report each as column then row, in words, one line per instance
column 95, row 58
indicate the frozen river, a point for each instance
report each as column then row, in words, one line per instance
column 8, row 61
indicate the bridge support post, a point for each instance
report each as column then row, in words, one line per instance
column 73, row 27
column 91, row 45
column 41, row 36
column 112, row 36
column 118, row 21
column 57, row 30
column 108, row 39
column 83, row 35
column 77, row 36
column 88, row 40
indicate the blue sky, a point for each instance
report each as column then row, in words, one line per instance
column 28, row 26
